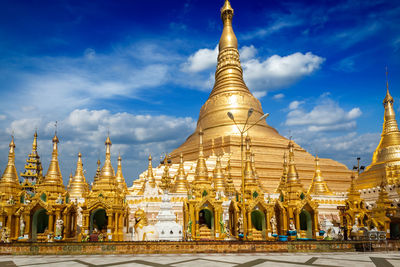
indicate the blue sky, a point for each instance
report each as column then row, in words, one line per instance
column 142, row 70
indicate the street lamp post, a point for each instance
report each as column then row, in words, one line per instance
column 242, row 131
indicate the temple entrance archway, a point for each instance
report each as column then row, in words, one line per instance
column 206, row 217
column 306, row 223
column 395, row 229
column 258, row 220
column 258, row 223
column 98, row 220
column 40, row 223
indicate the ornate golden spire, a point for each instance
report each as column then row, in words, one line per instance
column 318, row 185
column 181, row 185
column 228, row 37
column 353, row 193
column 120, row 177
column 249, row 178
column 97, row 175
column 10, row 174
column 390, row 134
column 293, row 176
column 230, row 187
column 166, row 177
column 53, row 174
column 78, row 186
column 218, row 176
column 9, row 184
column 107, row 172
column 201, row 175
column 34, row 144
column 282, row 183
column 293, row 185
column 229, row 93
column 150, row 176
column 253, row 167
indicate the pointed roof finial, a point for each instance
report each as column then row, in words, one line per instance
column 388, row 97
column 228, row 38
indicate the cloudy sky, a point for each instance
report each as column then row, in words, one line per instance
column 142, row 69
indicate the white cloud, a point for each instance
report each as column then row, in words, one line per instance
column 278, row 96
column 201, row 60
column 277, row 72
column 327, row 115
column 295, row 104
column 247, row 52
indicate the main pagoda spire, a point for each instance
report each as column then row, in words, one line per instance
column 229, row 94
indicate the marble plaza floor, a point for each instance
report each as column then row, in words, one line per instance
column 352, row 259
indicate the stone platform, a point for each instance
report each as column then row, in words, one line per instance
column 96, row 248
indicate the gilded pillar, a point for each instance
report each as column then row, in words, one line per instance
column 28, row 224
column 17, row 223
column 51, row 222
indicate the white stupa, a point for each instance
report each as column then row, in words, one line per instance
column 167, row 227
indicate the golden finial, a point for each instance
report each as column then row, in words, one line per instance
column 120, row 177
column 388, row 98
column 293, row 176
column 228, row 38
column 150, row 176
column 34, row 144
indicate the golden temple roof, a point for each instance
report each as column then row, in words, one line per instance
column 78, row 186
column 106, row 181
column 10, row 173
column 53, row 174
column 52, row 184
column 318, row 185
column 181, row 184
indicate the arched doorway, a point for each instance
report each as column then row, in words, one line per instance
column 40, row 223
column 98, row 220
column 258, row 221
column 233, row 218
column 206, row 218
column 306, row 223
column 395, row 229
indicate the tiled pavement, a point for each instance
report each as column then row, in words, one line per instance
column 212, row 260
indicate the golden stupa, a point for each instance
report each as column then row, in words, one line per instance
column 386, row 159
column 221, row 136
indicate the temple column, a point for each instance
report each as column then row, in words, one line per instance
column 197, row 226
column 315, row 224
column 267, row 224
column 249, row 226
column 51, row 222
column 16, row 234
column 116, row 227
column 28, row 224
